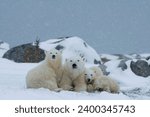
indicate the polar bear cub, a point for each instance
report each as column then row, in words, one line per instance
column 48, row 73
column 73, row 74
column 97, row 81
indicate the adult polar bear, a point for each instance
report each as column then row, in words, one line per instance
column 73, row 74
column 48, row 73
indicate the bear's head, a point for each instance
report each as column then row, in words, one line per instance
column 75, row 65
column 89, row 76
column 54, row 57
column 97, row 71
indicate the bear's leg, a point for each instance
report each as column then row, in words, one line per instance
column 58, row 89
column 90, row 88
column 51, row 85
column 107, row 89
column 98, row 86
column 80, row 84
column 66, row 84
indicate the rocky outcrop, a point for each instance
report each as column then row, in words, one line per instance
column 123, row 65
column 140, row 68
column 103, row 68
column 73, row 46
column 26, row 53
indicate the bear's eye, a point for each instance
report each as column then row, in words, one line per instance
column 78, row 60
column 70, row 60
column 85, row 74
column 56, row 52
column 50, row 52
column 91, row 74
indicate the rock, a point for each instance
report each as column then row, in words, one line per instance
column 59, row 47
column 108, row 57
column 26, row 53
column 104, row 60
column 133, row 93
column 136, row 93
column 73, row 46
column 97, row 61
column 121, row 56
column 123, row 65
column 136, row 56
column 140, row 68
column 148, row 58
column 103, row 68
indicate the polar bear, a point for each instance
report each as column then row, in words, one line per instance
column 48, row 73
column 97, row 81
column 89, row 79
column 73, row 74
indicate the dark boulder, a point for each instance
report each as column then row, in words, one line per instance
column 147, row 58
column 59, row 47
column 26, row 53
column 140, row 68
column 97, row 61
column 103, row 68
column 105, row 60
column 123, row 65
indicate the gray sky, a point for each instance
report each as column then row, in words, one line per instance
column 109, row 26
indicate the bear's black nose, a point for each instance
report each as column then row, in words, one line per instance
column 53, row 56
column 88, row 80
column 74, row 66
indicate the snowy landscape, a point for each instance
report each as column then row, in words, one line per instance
column 13, row 74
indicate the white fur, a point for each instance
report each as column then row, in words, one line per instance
column 97, row 81
column 73, row 78
column 48, row 73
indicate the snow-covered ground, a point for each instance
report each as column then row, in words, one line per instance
column 133, row 86
column 13, row 85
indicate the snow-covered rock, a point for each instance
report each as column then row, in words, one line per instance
column 73, row 46
column 3, row 48
column 123, row 64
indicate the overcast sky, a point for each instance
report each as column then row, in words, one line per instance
column 109, row 26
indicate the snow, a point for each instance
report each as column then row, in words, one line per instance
column 3, row 48
column 13, row 85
